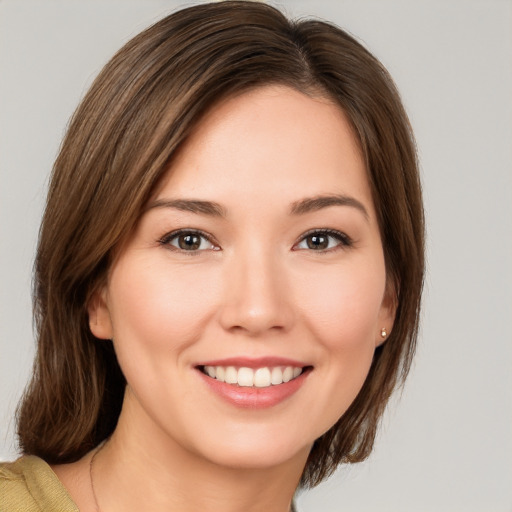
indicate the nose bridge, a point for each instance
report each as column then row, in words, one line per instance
column 255, row 298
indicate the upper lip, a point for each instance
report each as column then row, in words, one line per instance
column 249, row 362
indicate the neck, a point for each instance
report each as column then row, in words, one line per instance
column 151, row 472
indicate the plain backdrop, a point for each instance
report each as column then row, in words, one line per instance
column 446, row 442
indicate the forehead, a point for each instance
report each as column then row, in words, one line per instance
column 269, row 143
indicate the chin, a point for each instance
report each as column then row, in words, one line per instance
column 256, row 457
column 261, row 449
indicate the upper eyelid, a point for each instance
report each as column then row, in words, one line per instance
column 343, row 237
column 172, row 234
column 343, row 241
column 327, row 231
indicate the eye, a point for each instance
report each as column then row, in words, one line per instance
column 188, row 240
column 323, row 240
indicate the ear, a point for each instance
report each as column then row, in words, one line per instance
column 99, row 315
column 386, row 314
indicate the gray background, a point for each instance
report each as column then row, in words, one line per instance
column 446, row 442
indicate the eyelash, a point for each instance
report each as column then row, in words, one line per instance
column 344, row 240
column 169, row 237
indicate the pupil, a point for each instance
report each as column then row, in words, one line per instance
column 318, row 242
column 189, row 242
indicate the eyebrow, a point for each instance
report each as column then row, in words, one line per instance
column 306, row 205
column 190, row 205
column 312, row 204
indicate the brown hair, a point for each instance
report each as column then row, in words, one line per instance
column 140, row 109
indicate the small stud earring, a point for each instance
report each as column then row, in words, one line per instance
column 383, row 332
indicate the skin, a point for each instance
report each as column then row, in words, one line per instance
column 254, row 288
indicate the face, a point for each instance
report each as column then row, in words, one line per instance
column 246, row 307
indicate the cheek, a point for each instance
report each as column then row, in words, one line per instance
column 341, row 310
column 342, row 305
column 154, row 308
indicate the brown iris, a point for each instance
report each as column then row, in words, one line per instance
column 189, row 242
column 317, row 242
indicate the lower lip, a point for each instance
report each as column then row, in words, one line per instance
column 253, row 397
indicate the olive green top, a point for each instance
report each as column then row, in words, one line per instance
column 30, row 485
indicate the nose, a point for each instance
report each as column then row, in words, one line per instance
column 256, row 296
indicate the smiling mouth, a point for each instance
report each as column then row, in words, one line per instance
column 263, row 377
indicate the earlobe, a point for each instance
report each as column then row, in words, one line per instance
column 386, row 315
column 99, row 315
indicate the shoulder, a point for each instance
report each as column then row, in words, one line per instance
column 29, row 484
column 14, row 491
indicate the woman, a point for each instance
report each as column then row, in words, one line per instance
column 229, row 271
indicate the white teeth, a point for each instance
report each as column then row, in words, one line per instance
column 220, row 373
column 277, row 376
column 262, row 378
column 248, row 377
column 288, row 374
column 231, row 376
